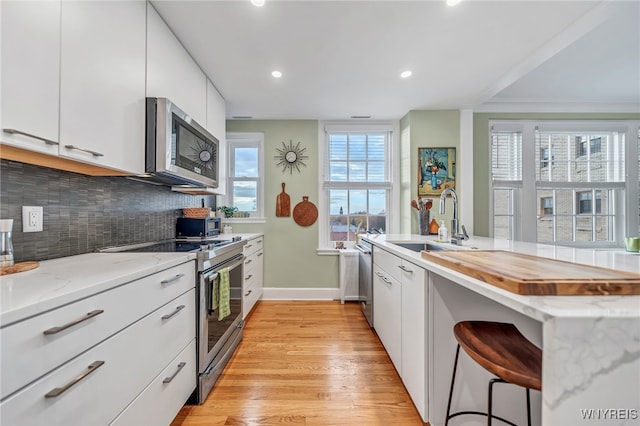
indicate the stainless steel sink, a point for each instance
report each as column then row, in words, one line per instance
column 418, row 247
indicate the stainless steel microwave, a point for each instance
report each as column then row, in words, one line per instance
column 179, row 151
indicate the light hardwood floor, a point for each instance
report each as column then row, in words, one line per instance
column 306, row 363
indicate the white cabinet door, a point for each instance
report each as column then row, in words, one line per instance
column 31, row 73
column 217, row 125
column 102, row 83
column 171, row 72
column 387, row 295
column 414, row 365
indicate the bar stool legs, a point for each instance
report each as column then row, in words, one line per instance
column 489, row 414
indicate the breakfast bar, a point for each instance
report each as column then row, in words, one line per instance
column 590, row 343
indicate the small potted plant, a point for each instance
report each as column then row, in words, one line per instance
column 228, row 211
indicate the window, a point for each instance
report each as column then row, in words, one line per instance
column 586, row 147
column 357, row 181
column 584, row 202
column 567, row 199
column 245, row 174
column 546, row 205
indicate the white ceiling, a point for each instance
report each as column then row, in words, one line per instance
column 343, row 58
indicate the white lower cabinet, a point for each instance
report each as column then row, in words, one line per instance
column 400, row 320
column 252, row 271
column 103, row 371
column 387, row 319
column 162, row 399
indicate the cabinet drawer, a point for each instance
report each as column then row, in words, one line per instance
column 35, row 346
column 249, row 298
column 253, row 246
column 159, row 403
column 130, row 361
column 390, row 263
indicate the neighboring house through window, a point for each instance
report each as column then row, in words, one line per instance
column 564, row 182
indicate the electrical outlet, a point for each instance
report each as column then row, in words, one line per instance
column 31, row 219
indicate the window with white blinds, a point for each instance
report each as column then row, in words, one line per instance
column 563, row 182
column 357, row 182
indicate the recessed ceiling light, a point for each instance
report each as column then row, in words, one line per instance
column 453, row 2
column 257, row 3
column 276, row 74
column 406, row 74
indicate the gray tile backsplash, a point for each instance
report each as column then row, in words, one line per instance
column 85, row 213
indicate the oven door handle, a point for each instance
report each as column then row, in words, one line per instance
column 211, row 278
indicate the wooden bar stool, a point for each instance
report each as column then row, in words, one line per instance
column 502, row 350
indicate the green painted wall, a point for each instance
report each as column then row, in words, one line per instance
column 424, row 128
column 481, row 161
column 290, row 250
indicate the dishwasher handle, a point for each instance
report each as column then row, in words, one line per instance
column 362, row 250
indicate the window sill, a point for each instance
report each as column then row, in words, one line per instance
column 225, row 220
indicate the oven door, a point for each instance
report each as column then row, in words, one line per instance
column 215, row 332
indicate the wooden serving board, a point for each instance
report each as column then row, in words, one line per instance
column 283, row 204
column 305, row 212
column 19, row 267
column 533, row 275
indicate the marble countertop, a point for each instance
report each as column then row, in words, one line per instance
column 60, row 281
column 537, row 307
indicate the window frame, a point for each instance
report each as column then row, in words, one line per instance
column 525, row 226
column 238, row 140
column 325, row 246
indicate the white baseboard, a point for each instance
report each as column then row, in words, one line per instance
column 277, row 293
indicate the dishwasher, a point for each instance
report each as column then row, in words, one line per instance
column 365, row 279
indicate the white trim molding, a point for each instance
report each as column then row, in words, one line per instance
column 278, row 293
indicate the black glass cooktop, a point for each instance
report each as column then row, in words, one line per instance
column 179, row 246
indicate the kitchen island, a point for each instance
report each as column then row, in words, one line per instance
column 591, row 344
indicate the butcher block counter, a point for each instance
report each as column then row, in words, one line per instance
column 590, row 340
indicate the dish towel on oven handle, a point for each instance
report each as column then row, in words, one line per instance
column 224, row 295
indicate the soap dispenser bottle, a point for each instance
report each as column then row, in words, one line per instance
column 443, row 232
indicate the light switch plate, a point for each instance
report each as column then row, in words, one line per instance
column 32, row 219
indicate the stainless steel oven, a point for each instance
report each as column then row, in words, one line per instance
column 218, row 338
column 365, row 279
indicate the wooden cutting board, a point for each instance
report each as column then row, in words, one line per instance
column 19, row 267
column 283, row 204
column 533, row 275
column 305, row 212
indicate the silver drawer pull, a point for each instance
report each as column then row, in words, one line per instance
column 248, row 246
column 169, row 379
column 404, row 268
column 77, row 148
column 259, row 241
column 380, row 274
column 54, row 330
column 248, row 293
column 172, row 279
column 59, row 391
column 248, row 277
column 178, row 309
column 29, row 135
column 260, row 254
column 247, row 262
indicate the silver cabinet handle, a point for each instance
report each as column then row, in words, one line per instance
column 169, row 379
column 248, row 277
column 55, row 392
column 54, row 330
column 380, row 274
column 172, row 279
column 248, row 261
column 259, row 241
column 248, row 293
column 178, row 309
column 248, row 246
column 260, row 254
column 77, row 148
column 29, row 135
column 386, row 280
column 404, row 268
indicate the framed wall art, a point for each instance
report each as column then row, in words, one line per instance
column 436, row 170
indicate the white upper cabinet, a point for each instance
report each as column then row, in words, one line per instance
column 102, row 83
column 216, row 110
column 30, row 74
column 171, row 72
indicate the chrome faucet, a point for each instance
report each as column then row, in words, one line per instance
column 456, row 236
